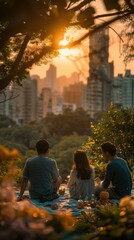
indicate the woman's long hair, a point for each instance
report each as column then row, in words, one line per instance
column 82, row 165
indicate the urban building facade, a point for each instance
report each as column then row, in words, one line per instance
column 74, row 94
column 21, row 102
column 117, row 90
column 123, row 90
column 44, row 103
column 51, row 78
column 100, row 73
column 128, row 90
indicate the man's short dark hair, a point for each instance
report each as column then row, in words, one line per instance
column 109, row 147
column 42, row 146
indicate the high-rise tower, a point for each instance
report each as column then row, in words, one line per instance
column 100, row 73
column 51, row 79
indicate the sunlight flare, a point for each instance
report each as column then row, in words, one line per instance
column 66, row 52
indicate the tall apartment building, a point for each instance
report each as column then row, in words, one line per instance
column 57, row 103
column 4, row 102
column 73, row 94
column 117, row 96
column 100, row 73
column 123, row 90
column 51, row 78
column 10, row 105
column 44, row 103
column 128, row 90
column 23, row 105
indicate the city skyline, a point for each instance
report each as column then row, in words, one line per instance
column 66, row 66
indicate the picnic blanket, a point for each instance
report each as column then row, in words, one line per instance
column 65, row 205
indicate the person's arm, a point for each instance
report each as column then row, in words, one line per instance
column 23, row 188
column 108, row 176
column 55, row 173
column 72, row 184
column 91, row 186
column 24, row 182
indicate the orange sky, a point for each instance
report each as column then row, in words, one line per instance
column 66, row 67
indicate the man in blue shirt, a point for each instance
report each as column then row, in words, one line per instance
column 42, row 173
column 117, row 180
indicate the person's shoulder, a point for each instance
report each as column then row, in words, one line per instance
column 73, row 172
column 51, row 160
column 32, row 159
column 111, row 164
column 92, row 167
column 116, row 160
column 120, row 159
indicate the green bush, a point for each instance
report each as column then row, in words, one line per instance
column 109, row 223
column 116, row 126
column 9, row 160
column 63, row 151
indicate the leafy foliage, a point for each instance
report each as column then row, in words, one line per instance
column 65, row 124
column 7, row 159
column 62, row 132
column 63, row 152
column 25, row 221
column 5, row 122
column 110, row 5
column 115, row 126
column 30, row 30
column 109, row 222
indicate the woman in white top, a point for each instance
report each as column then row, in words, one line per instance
column 81, row 182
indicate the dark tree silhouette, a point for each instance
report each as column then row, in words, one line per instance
column 30, row 30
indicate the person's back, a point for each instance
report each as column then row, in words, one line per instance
column 41, row 172
column 120, row 176
column 81, row 182
column 117, row 173
column 81, row 188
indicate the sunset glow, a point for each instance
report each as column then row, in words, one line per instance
column 68, row 51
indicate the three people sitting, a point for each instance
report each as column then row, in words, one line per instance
column 43, row 175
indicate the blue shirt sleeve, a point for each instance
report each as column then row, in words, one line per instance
column 108, row 176
column 26, row 171
column 55, row 171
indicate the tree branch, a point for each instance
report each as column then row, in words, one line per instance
column 97, row 28
column 18, row 71
column 21, row 52
column 131, row 6
column 103, row 15
column 80, row 5
column 4, row 82
column 111, row 14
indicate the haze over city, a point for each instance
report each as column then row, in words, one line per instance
column 66, row 67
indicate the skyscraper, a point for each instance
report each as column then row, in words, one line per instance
column 128, row 90
column 117, row 97
column 24, row 103
column 100, row 73
column 123, row 90
column 74, row 94
column 44, row 103
column 51, row 78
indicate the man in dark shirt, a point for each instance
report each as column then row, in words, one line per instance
column 117, row 175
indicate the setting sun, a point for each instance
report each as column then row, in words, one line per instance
column 68, row 51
